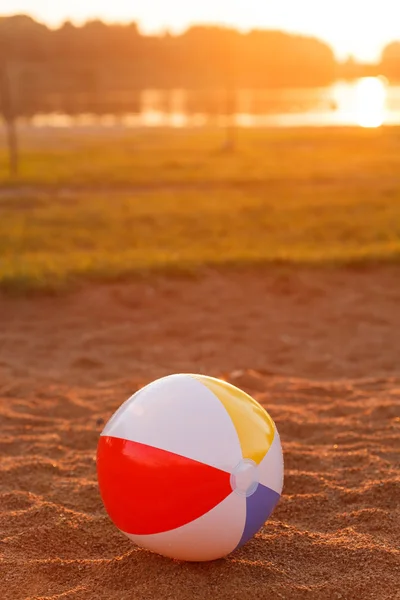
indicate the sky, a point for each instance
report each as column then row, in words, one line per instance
column 352, row 27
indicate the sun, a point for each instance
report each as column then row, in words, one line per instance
column 370, row 102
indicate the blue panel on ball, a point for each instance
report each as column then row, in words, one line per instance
column 259, row 506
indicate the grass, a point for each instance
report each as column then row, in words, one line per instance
column 295, row 197
column 160, row 157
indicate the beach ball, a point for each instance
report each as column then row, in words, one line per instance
column 190, row 467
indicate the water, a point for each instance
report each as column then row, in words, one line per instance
column 367, row 102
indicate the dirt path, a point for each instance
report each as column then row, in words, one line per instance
column 57, row 191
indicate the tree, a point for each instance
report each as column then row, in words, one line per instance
column 391, row 61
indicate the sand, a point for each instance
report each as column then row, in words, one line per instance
column 319, row 349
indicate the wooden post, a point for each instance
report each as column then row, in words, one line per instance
column 230, row 110
column 230, row 96
column 7, row 110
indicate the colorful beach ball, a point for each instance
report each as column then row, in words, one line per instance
column 190, row 467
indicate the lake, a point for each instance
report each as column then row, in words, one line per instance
column 366, row 102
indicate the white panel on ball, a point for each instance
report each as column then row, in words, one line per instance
column 270, row 469
column 212, row 536
column 199, row 427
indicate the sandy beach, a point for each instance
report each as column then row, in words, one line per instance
column 319, row 349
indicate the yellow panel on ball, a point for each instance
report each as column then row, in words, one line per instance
column 254, row 426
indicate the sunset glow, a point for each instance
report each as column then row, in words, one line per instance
column 370, row 102
column 351, row 28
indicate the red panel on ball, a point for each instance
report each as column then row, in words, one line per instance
column 147, row 490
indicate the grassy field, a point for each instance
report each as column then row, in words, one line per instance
column 73, row 158
column 110, row 206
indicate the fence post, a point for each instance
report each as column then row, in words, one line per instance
column 8, row 112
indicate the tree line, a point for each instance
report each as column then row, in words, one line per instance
column 390, row 63
column 43, row 69
column 98, row 59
